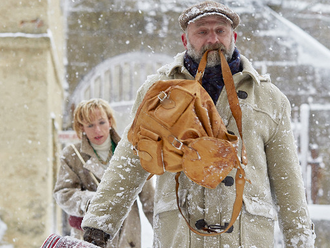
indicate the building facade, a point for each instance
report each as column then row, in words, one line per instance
column 32, row 90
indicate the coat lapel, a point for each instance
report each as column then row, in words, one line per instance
column 92, row 164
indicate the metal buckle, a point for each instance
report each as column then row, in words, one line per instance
column 202, row 225
column 136, row 151
column 162, row 96
column 177, row 142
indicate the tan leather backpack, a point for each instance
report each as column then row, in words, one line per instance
column 177, row 128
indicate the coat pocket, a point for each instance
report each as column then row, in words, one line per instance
column 259, row 207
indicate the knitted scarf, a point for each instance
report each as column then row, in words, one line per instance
column 212, row 80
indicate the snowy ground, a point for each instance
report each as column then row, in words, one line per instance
column 3, row 229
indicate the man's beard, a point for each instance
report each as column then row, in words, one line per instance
column 213, row 58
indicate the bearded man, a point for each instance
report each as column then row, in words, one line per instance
column 276, row 189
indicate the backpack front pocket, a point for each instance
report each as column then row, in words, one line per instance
column 149, row 149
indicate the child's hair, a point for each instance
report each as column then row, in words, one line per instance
column 84, row 113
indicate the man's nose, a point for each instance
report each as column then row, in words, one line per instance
column 213, row 38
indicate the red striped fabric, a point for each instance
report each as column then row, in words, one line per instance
column 56, row 241
column 51, row 241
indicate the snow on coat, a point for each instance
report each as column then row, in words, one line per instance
column 276, row 188
column 75, row 188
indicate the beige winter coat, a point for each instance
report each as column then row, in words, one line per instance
column 75, row 188
column 276, row 187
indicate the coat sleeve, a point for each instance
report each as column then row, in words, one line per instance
column 69, row 192
column 287, row 184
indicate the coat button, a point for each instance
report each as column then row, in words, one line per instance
column 228, row 181
column 242, row 94
column 231, row 229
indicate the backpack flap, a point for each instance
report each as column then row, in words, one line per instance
column 208, row 160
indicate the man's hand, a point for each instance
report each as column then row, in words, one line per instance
column 96, row 236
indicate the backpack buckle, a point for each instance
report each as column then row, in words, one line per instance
column 136, row 151
column 202, row 225
column 176, row 143
column 162, row 96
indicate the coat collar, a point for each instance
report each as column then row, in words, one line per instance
column 176, row 67
column 248, row 71
column 86, row 147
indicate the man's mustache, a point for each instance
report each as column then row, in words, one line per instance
column 214, row 47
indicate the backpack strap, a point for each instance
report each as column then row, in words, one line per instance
column 233, row 101
column 83, row 162
column 231, row 94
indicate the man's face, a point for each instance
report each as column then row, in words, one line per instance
column 209, row 32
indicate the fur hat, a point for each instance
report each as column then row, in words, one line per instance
column 207, row 8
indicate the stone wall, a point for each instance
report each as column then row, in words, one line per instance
column 31, row 105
